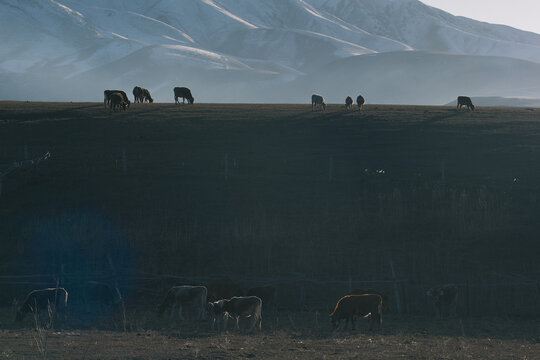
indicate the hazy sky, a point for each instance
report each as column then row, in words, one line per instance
column 521, row 14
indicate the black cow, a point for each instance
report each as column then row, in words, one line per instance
column 350, row 307
column 184, row 93
column 371, row 291
column 444, row 299
column 348, row 103
column 360, row 101
column 96, row 296
column 464, row 100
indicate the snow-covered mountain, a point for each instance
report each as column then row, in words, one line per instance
column 399, row 51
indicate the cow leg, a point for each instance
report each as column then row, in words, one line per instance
column 238, row 323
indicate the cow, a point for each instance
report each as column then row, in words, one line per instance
column 350, row 307
column 146, row 96
column 107, row 94
column 464, row 100
column 360, row 101
column 317, row 101
column 137, row 94
column 241, row 306
column 215, row 312
column 185, row 296
column 98, row 296
column 55, row 299
column 184, row 93
column 348, row 103
column 116, row 101
column 223, row 290
column 371, row 291
column 267, row 293
column 444, row 299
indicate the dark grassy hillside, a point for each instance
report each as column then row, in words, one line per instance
column 268, row 190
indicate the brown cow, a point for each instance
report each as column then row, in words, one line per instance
column 146, row 96
column 185, row 297
column 444, row 299
column 464, row 100
column 38, row 300
column 116, row 101
column 350, row 307
column 107, row 94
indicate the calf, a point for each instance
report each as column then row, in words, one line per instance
column 38, row 300
column 464, row 100
column 185, row 297
column 242, row 306
column 348, row 103
column 444, row 299
column 350, row 307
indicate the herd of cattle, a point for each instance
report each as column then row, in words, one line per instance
column 118, row 100
column 220, row 303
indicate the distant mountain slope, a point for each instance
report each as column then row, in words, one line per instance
column 265, row 44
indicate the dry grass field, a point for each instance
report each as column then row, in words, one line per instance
column 271, row 193
column 303, row 335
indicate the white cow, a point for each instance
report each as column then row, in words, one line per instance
column 317, row 101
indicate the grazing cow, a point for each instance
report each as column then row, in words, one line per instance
column 107, row 97
column 444, row 299
column 39, row 300
column 185, row 297
column 184, row 93
column 371, row 291
column 348, row 103
column 350, row 307
column 146, row 96
column 267, row 294
column 216, row 313
column 116, row 101
column 223, row 290
column 137, row 94
column 242, row 306
column 360, row 101
column 317, row 101
column 98, row 295
column 464, row 100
